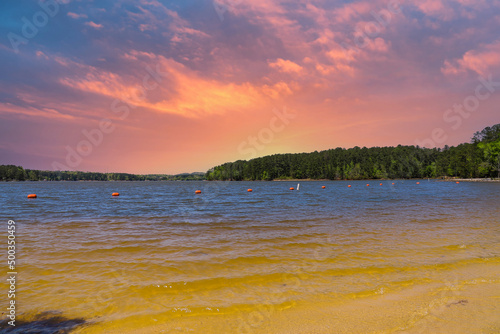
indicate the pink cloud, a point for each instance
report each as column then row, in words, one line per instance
column 436, row 8
column 40, row 54
column 481, row 60
column 325, row 37
column 378, row 45
column 352, row 11
column 431, row 6
column 145, row 27
column 77, row 16
column 93, row 25
column 449, row 68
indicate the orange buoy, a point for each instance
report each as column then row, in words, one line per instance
column 381, row 184
column 32, row 196
column 367, row 184
column 292, row 188
column 249, row 190
column 392, row 183
column 115, row 194
column 197, row 192
column 349, row 186
column 323, row 187
column 418, row 182
column 458, row 182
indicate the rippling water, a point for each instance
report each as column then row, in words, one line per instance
column 159, row 252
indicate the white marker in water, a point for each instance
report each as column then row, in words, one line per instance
column 298, row 186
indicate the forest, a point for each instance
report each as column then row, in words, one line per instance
column 17, row 173
column 478, row 159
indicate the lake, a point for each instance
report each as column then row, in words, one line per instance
column 402, row 257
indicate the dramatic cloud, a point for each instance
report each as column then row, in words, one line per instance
column 187, row 85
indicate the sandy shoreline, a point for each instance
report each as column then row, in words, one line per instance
column 421, row 309
column 463, row 300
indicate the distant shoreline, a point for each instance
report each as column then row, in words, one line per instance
column 471, row 180
column 424, row 178
column 276, row 180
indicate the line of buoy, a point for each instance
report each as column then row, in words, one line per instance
column 115, row 194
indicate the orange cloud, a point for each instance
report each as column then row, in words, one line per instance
column 277, row 90
column 182, row 92
column 8, row 108
column 340, row 55
column 286, row 66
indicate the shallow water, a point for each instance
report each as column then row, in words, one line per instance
column 159, row 252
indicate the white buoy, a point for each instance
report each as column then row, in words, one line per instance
column 298, row 186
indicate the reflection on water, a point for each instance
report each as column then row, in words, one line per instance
column 159, row 251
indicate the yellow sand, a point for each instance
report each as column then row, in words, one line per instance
column 467, row 302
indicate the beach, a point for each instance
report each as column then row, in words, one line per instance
column 402, row 258
column 460, row 306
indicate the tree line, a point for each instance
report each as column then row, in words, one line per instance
column 478, row 159
column 17, row 173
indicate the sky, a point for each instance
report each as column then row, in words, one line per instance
column 151, row 86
